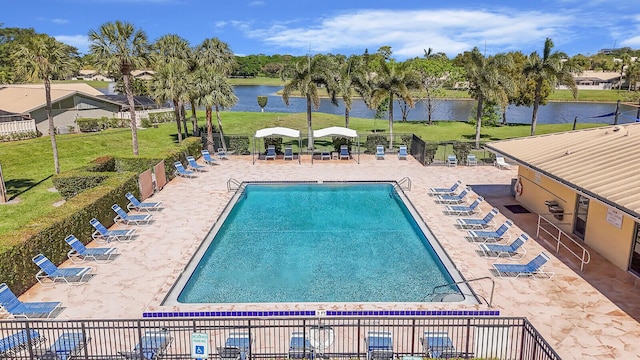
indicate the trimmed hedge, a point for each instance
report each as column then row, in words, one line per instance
column 46, row 235
column 373, row 141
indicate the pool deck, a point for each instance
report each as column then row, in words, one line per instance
column 592, row 314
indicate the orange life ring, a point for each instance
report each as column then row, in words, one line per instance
column 518, row 187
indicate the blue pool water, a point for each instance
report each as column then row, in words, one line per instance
column 317, row 243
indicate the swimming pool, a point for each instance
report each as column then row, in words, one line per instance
column 338, row 242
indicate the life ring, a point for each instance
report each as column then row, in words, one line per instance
column 518, row 187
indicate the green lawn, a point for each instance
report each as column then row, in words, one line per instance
column 28, row 165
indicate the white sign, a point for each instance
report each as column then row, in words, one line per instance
column 614, row 217
column 199, row 345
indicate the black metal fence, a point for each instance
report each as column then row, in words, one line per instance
column 318, row 337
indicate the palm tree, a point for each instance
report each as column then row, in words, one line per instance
column 350, row 77
column 307, row 77
column 394, row 80
column 214, row 62
column 44, row 58
column 215, row 92
column 119, row 48
column 549, row 69
column 488, row 82
column 171, row 59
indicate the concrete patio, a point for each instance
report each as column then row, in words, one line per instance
column 591, row 314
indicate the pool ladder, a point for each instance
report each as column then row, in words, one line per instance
column 493, row 285
column 404, row 184
column 233, row 184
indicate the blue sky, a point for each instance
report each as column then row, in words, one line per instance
column 348, row 26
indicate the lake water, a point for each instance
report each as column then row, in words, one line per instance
column 552, row 113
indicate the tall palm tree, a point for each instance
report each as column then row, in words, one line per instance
column 394, row 80
column 215, row 92
column 550, row 69
column 119, row 48
column 171, row 59
column 214, row 62
column 488, row 82
column 306, row 78
column 44, row 58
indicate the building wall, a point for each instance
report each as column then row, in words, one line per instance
column 537, row 188
column 607, row 239
column 603, row 237
column 67, row 110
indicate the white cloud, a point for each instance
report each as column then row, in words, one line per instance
column 257, row 3
column 633, row 42
column 79, row 41
column 59, row 21
column 409, row 32
column 220, row 24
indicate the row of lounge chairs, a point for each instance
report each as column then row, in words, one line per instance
column 492, row 242
column 152, row 345
column 402, row 152
column 193, row 167
column 49, row 274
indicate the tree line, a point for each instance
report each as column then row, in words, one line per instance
column 198, row 75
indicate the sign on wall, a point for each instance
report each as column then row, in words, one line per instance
column 614, row 217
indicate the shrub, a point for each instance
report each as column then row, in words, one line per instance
column 375, row 140
column 22, row 135
column 161, row 117
column 461, row 149
column 430, row 150
column 102, row 164
column 338, row 141
column 71, row 183
column 88, row 124
column 407, row 139
column 275, row 141
column 145, row 123
column 239, row 144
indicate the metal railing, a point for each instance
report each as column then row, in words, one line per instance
column 558, row 234
column 493, row 286
column 471, row 337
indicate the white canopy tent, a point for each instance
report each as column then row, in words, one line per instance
column 275, row 131
column 338, row 131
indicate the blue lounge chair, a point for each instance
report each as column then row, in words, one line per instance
column 402, row 153
column 344, row 152
column 271, row 152
column 67, row 346
column 300, row 346
column 80, row 253
column 181, row 171
column 462, row 209
column 17, row 342
column 438, row 344
column 288, row 153
column 49, row 273
column 379, row 345
column 101, row 234
column 193, row 165
column 207, row 157
column 10, row 303
column 446, row 191
column 533, row 268
column 493, row 236
column 236, row 346
column 153, row 345
column 472, row 160
column 452, row 160
column 453, row 199
column 126, row 219
column 379, row 152
column 513, row 251
column 487, row 220
column 135, row 204
column 222, row 154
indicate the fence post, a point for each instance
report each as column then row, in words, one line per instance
column 3, row 188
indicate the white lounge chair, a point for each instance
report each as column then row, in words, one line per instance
column 500, row 163
column 379, row 152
